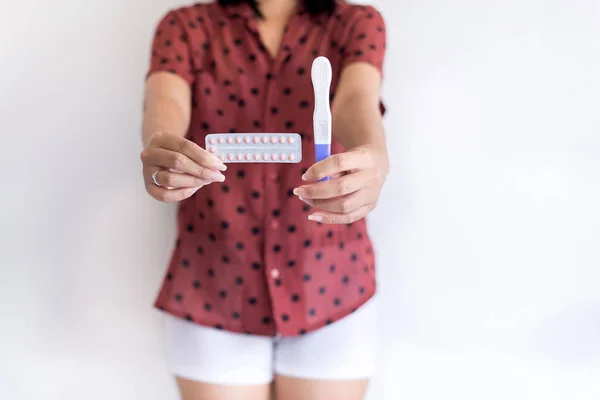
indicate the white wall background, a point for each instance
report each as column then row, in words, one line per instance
column 488, row 230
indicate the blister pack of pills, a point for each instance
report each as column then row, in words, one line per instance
column 255, row 147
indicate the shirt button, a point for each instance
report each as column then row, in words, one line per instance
column 275, row 273
column 274, row 225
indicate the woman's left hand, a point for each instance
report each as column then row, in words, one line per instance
column 356, row 179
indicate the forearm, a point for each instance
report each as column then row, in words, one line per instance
column 356, row 121
column 163, row 115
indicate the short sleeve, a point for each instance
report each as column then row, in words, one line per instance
column 366, row 41
column 366, row 38
column 171, row 49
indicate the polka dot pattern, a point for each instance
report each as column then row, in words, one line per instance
column 247, row 259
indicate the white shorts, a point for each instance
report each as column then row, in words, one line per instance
column 340, row 351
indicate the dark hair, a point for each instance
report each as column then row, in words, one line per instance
column 313, row 7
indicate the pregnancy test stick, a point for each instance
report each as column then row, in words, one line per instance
column 321, row 80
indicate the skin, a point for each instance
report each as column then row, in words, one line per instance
column 357, row 176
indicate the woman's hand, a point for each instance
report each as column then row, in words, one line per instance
column 357, row 177
column 180, row 167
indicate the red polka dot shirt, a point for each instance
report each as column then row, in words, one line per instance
column 247, row 259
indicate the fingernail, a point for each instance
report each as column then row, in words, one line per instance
column 218, row 163
column 315, row 217
column 307, row 201
column 299, row 192
column 218, row 177
column 307, row 176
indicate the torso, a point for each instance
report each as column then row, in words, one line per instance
column 247, row 258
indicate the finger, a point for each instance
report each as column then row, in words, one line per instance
column 174, row 180
column 169, row 195
column 189, row 149
column 335, row 218
column 168, row 159
column 337, row 163
column 341, row 186
column 344, row 204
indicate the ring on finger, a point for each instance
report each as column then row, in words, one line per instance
column 154, row 176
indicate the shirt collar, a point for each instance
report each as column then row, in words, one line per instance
column 244, row 10
column 239, row 10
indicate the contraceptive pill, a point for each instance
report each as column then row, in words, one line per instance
column 255, row 147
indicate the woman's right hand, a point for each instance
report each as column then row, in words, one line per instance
column 183, row 167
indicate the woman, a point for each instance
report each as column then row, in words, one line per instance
column 272, row 276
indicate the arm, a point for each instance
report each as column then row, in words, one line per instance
column 181, row 166
column 356, row 115
column 358, row 173
column 174, row 168
column 167, row 106
column 168, row 95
